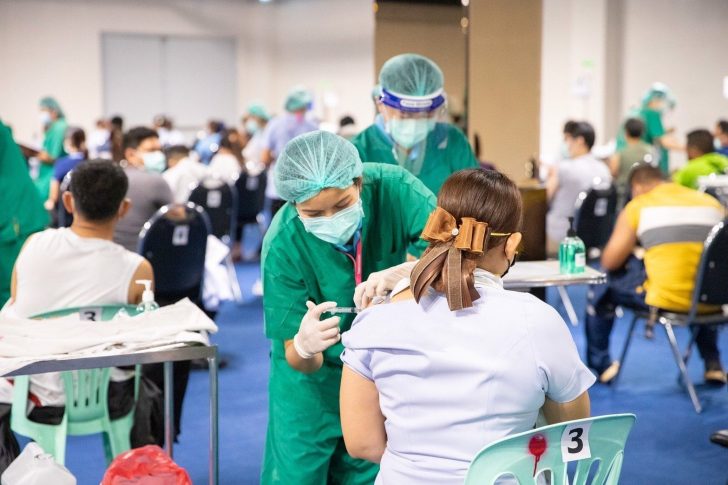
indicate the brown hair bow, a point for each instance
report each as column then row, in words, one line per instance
column 442, row 265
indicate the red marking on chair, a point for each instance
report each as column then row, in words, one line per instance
column 537, row 447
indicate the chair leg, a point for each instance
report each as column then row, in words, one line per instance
column 233, row 277
column 683, row 369
column 568, row 305
column 627, row 342
column 689, row 350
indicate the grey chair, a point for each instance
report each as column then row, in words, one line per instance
column 710, row 289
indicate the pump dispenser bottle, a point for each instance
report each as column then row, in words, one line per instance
column 148, row 304
column 572, row 253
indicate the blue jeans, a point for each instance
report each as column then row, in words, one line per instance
column 621, row 290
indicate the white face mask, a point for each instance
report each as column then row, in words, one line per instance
column 409, row 132
column 45, row 118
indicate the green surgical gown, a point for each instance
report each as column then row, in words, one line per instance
column 53, row 144
column 22, row 210
column 446, row 151
column 304, row 442
column 653, row 131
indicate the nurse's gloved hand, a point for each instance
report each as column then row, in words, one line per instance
column 381, row 283
column 316, row 335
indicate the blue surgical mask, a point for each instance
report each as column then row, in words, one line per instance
column 154, row 161
column 337, row 229
column 409, row 132
column 252, row 127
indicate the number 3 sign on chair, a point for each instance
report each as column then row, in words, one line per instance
column 575, row 442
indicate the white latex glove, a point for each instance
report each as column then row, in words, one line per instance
column 316, row 335
column 381, row 283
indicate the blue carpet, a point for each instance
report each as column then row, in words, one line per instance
column 669, row 443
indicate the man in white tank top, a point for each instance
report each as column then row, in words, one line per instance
column 78, row 266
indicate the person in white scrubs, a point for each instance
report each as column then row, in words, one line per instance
column 455, row 361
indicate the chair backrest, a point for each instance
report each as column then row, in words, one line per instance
column 65, row 218
column 87, row 390
column 251, row 196
column 596, row 210
column 719, row 193
column 220, row 201
column 174, row 241
column 586, row 441
column 712, row 275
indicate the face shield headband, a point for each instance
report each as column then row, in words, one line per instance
column 413, row 104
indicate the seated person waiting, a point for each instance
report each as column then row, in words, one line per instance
column 78, row 266
column 459, row 361
column 671, row 223
column 702, row 160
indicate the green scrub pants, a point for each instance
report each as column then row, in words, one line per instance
column 308, row 449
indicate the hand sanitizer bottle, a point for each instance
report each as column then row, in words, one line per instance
column 148, row 304
column 572, row 253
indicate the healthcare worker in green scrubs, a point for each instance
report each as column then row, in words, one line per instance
column 407, row 132
column 655, row 103
column 22, row 211
column 55, row 126
column 343, row 220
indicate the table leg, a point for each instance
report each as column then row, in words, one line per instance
column 214, row 454
column 568, row 305
column 169, row 408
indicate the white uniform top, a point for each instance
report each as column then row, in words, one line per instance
column 183, row 177
column 225, row 165
column 58, row 269
column 452, row 382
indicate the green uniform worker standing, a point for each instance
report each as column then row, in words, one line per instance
column 656, row 101
column 406, row 131
column 22, row 211
column 55, row 126
column 343, row 221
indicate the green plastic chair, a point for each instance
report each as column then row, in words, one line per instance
column 526, row 455
column 87, row 410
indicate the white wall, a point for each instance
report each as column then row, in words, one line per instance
column 54, row 47
column 674, row 41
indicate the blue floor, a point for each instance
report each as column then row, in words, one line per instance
column 669, row 443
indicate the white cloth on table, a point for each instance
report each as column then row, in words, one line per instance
column 451, row 382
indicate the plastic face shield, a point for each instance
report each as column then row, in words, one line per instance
column 402, row 106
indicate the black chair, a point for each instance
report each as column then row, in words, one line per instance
column 710, row 289
column 720, row 193
column 64, row 218
column 174, row 241
column 220, row 201
column 251, row 198
column 595, row 213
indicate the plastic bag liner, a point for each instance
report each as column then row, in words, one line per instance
column 9, row 449
column 148, row 465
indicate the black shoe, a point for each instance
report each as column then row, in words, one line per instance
column 720, row 437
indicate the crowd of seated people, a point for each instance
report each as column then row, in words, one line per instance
column 331, row 195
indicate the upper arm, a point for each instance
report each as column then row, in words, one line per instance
column 552, row 182
column 164, row 192
column 621, row 243
column 556, row 412
column 614, row 164
column 418, row 202
column 285, row 293
column 465, row 157
column 362, row 422
column 143, row 272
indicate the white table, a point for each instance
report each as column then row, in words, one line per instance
column 541, row 274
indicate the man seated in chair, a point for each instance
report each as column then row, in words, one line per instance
column 78, row 266
column 671, row 223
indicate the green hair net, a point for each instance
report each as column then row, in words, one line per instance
column 313, row 162
column 411, row 75
column 658, row 91
column 50, row 103
column 299, row 98
column 257, row 109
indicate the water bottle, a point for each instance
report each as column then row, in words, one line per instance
column 572, row 253
column 148, row 304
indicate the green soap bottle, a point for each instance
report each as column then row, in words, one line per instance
column 572, row 253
